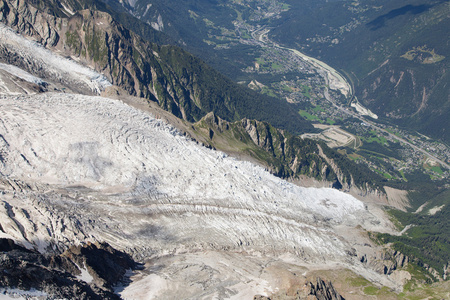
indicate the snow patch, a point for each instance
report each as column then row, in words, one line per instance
column 66, row 8
column 436, row 209
column 159, row 24
column 7, row 294
column 132, row 3
column 84, row 276
column 21, row 74
column 147, row 9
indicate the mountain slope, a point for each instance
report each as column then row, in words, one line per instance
column 395, row 53
column 287, row 155
column 112, row 173
column 290, row 164
column 29, row 274
column 76, row 169
column 178, row 81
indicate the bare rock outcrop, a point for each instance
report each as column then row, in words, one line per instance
column 61, row 276
column 386, row 261
column 30, row 21
column 324, row 290
column 318, row 290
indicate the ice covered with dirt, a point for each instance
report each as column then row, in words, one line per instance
column 21, row 73
column 142, row 175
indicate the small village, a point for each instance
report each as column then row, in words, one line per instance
column 388, row 150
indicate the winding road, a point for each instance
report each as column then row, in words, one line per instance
column 261, row 35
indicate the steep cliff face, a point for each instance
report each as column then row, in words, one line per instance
column 286, row 155
column 295, row 155
column 95, row 38
column 386, row 261
column 411, row 91
column 324, row 290
column 313, row 290
column 178, row 81
column 29, row 21
column 87, row 272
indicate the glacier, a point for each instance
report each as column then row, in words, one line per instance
column 21, row 73
column 79, row 168
column 49, row 66
column 147, row 167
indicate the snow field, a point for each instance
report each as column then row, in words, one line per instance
column 149, row 183
column 50, row 65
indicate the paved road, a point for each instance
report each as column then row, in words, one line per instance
column 355, row 115
column 262, row 39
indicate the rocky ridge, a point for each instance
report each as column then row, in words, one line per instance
column 50, row 199
column 175, row 79
column 89, row 271
column 285, row 155
column 320, row 290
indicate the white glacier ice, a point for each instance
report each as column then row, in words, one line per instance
column 153, row 173
column 51, row 65
column 92, row 168
column 77, row 168
column 21, row 73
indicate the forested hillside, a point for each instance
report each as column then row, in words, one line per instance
column 286, row 155
column 427, row 242
column 395, row 53
column 133, row 168
column 178, row 81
